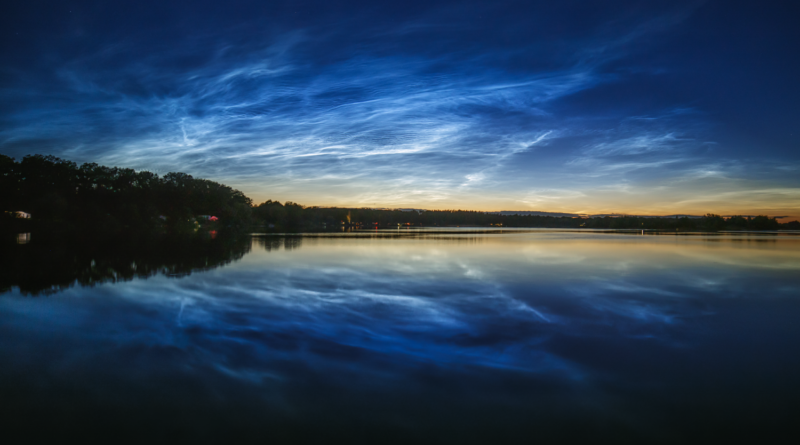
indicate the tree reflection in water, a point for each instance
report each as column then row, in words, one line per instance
column 44, row 266
column 270, row 243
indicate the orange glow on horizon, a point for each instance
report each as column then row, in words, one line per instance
column 782, row 216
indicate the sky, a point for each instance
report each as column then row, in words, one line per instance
column 651, row 108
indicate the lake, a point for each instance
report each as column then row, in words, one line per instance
column 432, row 336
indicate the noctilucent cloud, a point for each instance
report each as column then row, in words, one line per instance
column 570, row 106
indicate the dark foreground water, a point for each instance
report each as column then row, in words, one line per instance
column 514, row 337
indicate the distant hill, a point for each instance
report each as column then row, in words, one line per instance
column 529, row 213
column 584, row 215
column 617, row 215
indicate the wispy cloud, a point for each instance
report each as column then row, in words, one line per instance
column 405, row 114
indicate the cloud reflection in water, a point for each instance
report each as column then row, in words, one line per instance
column 561, row 333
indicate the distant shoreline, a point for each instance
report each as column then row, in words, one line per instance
column 48, row 194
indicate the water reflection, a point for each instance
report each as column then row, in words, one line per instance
column 502, row 338
column 270, row 243
column 54, row 265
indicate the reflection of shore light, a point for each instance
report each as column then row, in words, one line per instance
column 213, row 233
column 23, row 238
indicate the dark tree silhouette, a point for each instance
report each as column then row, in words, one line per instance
column 64, row 196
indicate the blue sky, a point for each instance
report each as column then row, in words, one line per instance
column 585, row 107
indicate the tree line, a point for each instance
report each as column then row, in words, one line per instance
column 295, row 215
column 64, row 196
column 60, row 195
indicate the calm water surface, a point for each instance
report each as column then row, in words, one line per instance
column 433, row 337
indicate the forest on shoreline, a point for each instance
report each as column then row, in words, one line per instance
column 61, row 196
